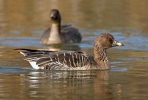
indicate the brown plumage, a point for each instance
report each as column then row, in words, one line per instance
column 72, row 60
column 60, row 34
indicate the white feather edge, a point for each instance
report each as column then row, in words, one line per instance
column 34, row 65
column 22, row 53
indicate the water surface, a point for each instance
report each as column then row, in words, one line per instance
column 23, row 22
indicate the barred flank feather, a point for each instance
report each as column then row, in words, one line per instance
column 56, row 60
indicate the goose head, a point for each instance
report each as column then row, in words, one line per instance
column 105, row 41
column 55, row 16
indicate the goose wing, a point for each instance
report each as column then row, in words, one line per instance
column 43, row 59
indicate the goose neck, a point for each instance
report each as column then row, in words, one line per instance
column 100, row 56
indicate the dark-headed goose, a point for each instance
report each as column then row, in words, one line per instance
column 72, row 60
column 60, row 34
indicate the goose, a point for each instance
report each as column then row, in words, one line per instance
column 57, row 34
column 73, row 60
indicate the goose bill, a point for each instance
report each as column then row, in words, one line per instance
column 116, row 43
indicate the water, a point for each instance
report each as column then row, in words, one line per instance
column 23, row 22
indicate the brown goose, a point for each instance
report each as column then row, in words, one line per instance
column 72, row 60
column 60, row 34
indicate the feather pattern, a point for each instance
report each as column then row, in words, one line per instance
column 59, row 60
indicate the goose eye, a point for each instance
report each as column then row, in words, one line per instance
column 111, row 40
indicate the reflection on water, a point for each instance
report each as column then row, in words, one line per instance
column 22, row 24
column 75, row 85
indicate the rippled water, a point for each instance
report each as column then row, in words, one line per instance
column 23, row 22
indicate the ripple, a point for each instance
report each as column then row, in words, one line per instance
column 115, row 69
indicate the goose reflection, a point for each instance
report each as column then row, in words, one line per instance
column 67, row 84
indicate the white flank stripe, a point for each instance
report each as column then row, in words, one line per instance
column 34, row 65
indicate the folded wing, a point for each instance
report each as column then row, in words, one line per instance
column 55, row 60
